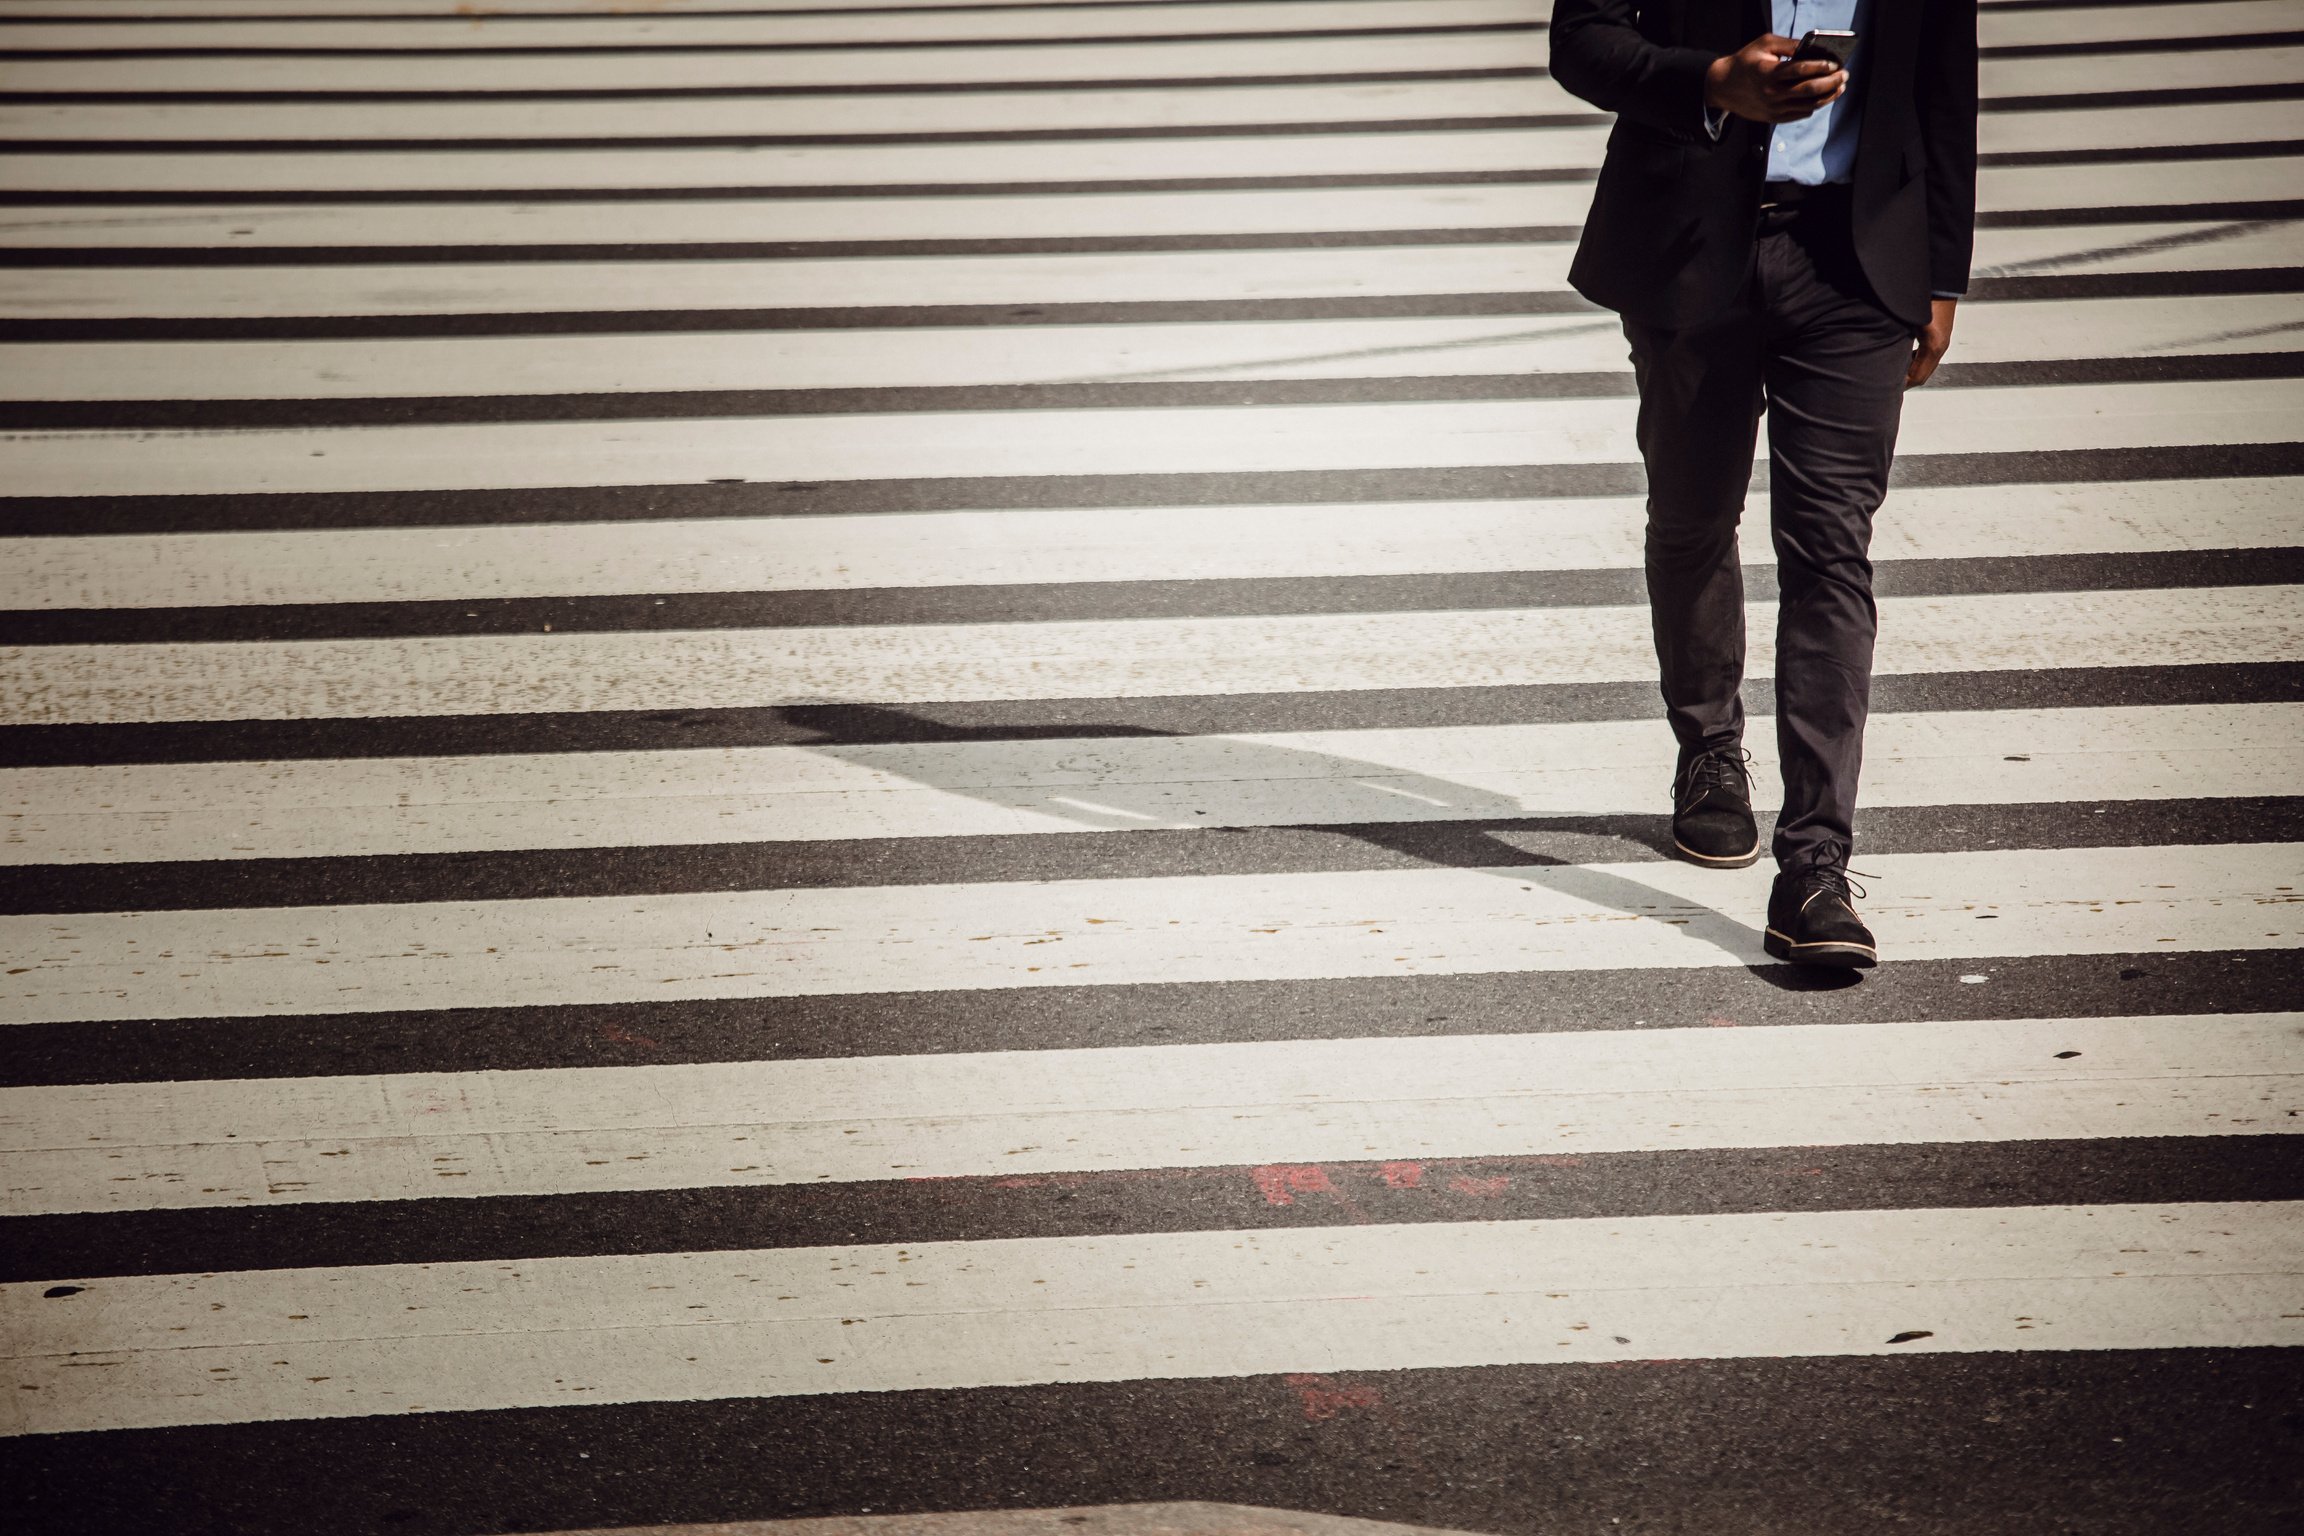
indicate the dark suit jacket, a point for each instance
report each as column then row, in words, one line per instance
column 1675, row 218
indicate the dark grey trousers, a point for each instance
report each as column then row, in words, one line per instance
column 1807, row 344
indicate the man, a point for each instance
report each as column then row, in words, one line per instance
column 1794, row 236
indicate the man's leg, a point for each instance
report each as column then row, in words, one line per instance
column 1699, row 415
column 1835, row 377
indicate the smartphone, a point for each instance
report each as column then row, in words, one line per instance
column 1832, row 47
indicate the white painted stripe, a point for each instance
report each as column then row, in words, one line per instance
column 961, row 164
column 968, row 444
column 665, row 70
column 2139, row 248
column 358, row 807
column 514, row 287
column 698, row 22
column 994, row 111
column 1133, row 658
column 1160, row 352
column 706, row 29
column 1469, row 151
column 1465, row 152
column 1133, row 215
column 463, row 10
column 2012, row 28
column 2074, row 74
column 1115, row 932
column 2160, row 127
column 2002, row 189
column 798, row 283
column 464, row 1135
column 966, row 112
column 1128, row 215
column 282, row 1344
column 934, row 549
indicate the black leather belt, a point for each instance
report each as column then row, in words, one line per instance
column 1794, row 195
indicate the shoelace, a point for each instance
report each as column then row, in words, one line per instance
column 1722, row 768
column 1826, row 868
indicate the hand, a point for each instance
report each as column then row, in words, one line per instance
column 1929, row 346
column 1759, row 81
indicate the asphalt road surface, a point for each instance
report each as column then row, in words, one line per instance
column 970, row 681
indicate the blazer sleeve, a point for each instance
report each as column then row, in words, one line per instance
column 1598, row 53
column 1945, row 93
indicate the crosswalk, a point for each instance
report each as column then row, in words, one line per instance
column 791, row 758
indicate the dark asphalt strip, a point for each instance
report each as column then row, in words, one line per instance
column 1064, row 602
column 689, row 405
column 1616, row 1185
column 2165, row 96
column 657, row 15
column 320, row 147
column 269, row 197
column 1128, row 854
column 390, row 411
column 2163, row 213
column 29, row 516
column 2107, row 46
column 170, row 197
column 751, row 50
column 2063, row 101
column 25, row 98
column 1175, row 1013
column 469, row 145
column 2087, row 47
column 1260, row 311
column 84, row 256
column 2114, row 1443
column 359, row 255
column 873, row 317
column 26, row 746
column 2250, row 149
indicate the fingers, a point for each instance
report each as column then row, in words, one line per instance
column 1820, row 82
column 1927, row 352
column 1804, row 69
column 1800, row 90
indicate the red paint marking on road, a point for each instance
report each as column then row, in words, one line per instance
column 623, row 1036
column 1324, row 1397
column 1281, row 1183
column 1720, row 1021
column 1402, row 1175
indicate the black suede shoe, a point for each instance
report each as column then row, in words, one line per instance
column 1712, row 821
column 1812, row 915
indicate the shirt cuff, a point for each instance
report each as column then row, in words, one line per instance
column 1938, row 293
column 1714, row 121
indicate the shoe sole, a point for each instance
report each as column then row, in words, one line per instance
column 1838, row 955
column 1719, row 861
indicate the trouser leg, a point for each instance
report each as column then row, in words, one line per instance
column 1835, row 382
column 1699, row 415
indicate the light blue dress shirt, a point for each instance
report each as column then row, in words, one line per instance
column 1821, row 147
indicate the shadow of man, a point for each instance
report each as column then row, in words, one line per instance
column 1535, row 826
